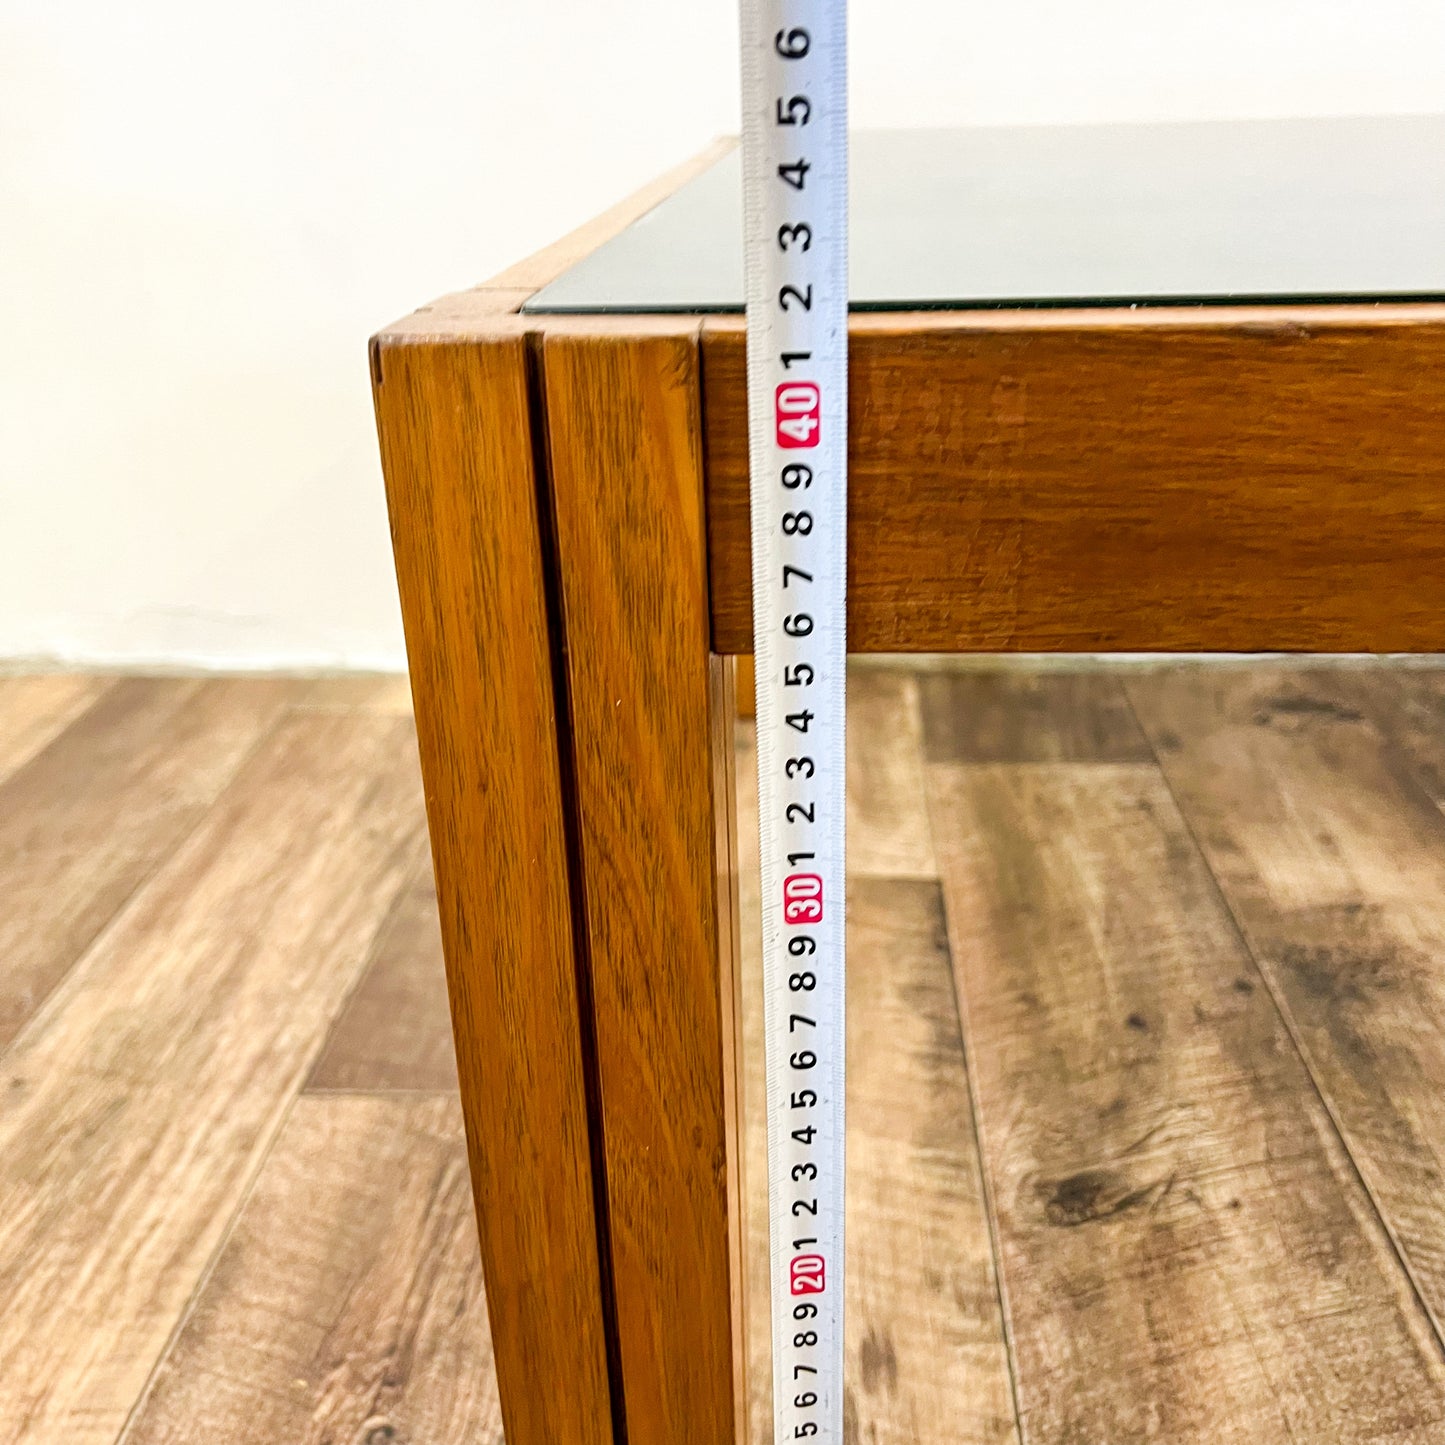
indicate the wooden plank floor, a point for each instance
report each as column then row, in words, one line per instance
column 1147, row 1032
column 233, row 1191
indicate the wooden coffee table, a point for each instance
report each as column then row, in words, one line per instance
column 1117, row 389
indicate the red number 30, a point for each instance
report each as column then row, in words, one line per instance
column 803, row 898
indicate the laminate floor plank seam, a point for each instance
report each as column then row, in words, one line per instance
column 346, row 1305
column 981, row 1158
column 93, row 689
column 323, row 1038
column 395, row 951
column 204, row 1278
column 915, row 676
column 1039, row 870
column 54, row 1000
column 1291, row 1028
column 1072, row 867
column 317, row 833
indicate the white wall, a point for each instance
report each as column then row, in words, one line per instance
column 205, row 210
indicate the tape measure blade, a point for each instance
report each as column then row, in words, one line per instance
column 795, row 219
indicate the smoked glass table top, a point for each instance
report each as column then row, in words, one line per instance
column 1214, row 213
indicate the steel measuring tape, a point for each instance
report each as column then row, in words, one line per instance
column 795, row 205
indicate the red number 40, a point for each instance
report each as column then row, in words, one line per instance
column 797, row 408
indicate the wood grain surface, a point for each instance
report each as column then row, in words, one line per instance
column 1331, row 854
column 474, row 342
column 395, row 1031
column 33, row 710
column 89, row 818
column 723, row 742
column 888, row 833
column 1171, row 480
column 457, row 452
column 747, row 700
column 482, row 313
column 926, row 1359
column 347, row 1303
column 1008, row 716
column 1406, row 701
column 1171, row 1197
column 624, row 441
column 137, row 1109
column 1187, row 1252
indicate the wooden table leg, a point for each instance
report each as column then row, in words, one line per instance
column 747, row 687
column 457, row 440
column 651, row 715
